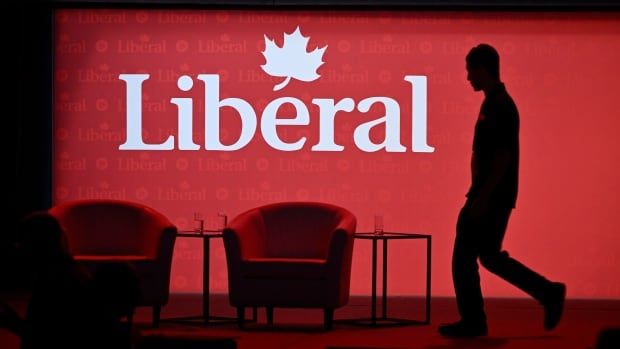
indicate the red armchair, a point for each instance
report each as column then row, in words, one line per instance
column 100, row 231
column 290, row 255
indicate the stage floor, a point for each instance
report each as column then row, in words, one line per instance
column 513, row 323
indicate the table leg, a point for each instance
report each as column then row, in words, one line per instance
column 206, row 250
column 385, row 270
column 373, row 311
column 428, row 280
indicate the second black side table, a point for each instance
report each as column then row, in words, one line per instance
column 206, row 317
column 384, row 320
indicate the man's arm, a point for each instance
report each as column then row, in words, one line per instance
column 499, row 166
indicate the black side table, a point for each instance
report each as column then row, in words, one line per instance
column 384, row 320
column 205, row 317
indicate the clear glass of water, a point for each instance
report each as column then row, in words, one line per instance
column 200, row 228
column 222, row 220
column 378, row 224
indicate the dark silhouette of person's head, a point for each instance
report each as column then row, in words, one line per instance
column 42, row 241
column 482, row 64
column 60, row 308
column 70, row 308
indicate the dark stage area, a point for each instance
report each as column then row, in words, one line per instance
column 513, row 323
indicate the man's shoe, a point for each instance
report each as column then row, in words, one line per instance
column 554, row 305
column 463, row 329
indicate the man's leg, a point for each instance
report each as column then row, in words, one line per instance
column 465, row 269
column 550, row 294
column 466, row 281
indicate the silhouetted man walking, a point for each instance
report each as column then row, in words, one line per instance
column 492, row 196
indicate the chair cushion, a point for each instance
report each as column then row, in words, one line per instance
column 142, row 265
column 284, row 268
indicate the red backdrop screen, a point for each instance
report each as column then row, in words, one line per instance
column 560, row 68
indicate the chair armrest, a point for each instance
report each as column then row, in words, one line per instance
column 340, row 252
column 348, row 223
column 165, row 247
column 339, row 260
column 158, row 235
column 243, row 239
column 245, row 236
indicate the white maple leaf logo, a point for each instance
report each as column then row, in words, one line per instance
column 292, row 60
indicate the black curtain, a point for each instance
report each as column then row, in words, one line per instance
column 27, row 122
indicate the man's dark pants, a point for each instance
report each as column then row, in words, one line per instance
column 481, row 237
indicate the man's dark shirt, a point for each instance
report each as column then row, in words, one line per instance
column 497, row 128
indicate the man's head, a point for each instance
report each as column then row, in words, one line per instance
column 482, row 64
column 42, row 241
